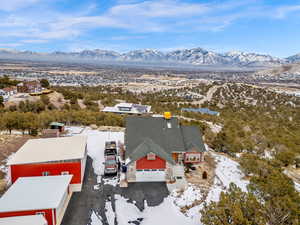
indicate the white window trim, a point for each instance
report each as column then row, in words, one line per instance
column 46, row 173
column 40, row 213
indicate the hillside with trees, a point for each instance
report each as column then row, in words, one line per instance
column 258, row 128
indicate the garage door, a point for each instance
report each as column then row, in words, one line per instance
column 150, row 175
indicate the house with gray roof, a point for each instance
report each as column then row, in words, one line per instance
column 154, row 146
column 128, row 108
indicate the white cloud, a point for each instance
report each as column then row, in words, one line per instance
column 12, row 5
column 283, row 11
column 9, row 45
column 136, row 17
column 34, row 41
column 165, row 8
column 129, row 37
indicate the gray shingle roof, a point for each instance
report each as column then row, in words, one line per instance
column 160, row 136
column 148, row 146
column 192, row 138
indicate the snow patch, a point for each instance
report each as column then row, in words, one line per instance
column 110, row 214
column 111, row 181
column 228, row 172
column 96, row 219
column 71, row 131
column 96, row 144
column 214, row 127
column 297, row 186
column 165, row 213
column 188, row 197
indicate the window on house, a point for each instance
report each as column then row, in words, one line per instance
column 46, row 173
column 151, row 156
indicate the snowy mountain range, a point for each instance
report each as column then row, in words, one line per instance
column 195, row 56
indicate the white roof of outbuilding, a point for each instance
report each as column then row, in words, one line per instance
column 124, row 104
column 50, row 149
column 24, row 220
column 34, row 193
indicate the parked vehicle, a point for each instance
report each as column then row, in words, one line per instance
column 110, row 148
column 110, row 165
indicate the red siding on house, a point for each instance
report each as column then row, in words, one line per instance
column 32, row 170
column 143, row 163
column 48, row 214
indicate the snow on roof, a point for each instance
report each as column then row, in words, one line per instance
column 52, row 149
column 124, row 104
column 134, row 108
column 35, row 193
column 24, row 220
column 57, row 124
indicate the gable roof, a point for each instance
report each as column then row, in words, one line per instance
column 165, row 136
column 34, row 193
column 148, row 146
column 50, row 149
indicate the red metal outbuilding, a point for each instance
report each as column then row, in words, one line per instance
column 47, row 196
column 49, row 157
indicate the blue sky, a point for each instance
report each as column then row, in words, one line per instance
column 263, row 26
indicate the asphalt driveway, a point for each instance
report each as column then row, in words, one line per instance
column 83, row 203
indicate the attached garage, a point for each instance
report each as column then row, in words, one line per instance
column 150, row 168
column 154, row 175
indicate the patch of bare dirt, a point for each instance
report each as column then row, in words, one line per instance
column 204, row 173
column 81, row 104
column 57, row 99
column 16, row 99
column 10, row 144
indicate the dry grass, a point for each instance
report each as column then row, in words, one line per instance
column 57, row 99
column 10, row 144
column 3, row 186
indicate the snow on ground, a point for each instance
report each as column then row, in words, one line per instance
column 297, row 186
column 268, row 154
column 96, row 219
column 214, row 127
column 165, row 213
column 111, row 181
column 74, row 130
column 4, row 167
column 126, row 211
column 228, row 172
column 96, row 144
column 188, row 197
column 110, row 215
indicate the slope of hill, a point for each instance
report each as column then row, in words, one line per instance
column 294, row 58
column 284, row 71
